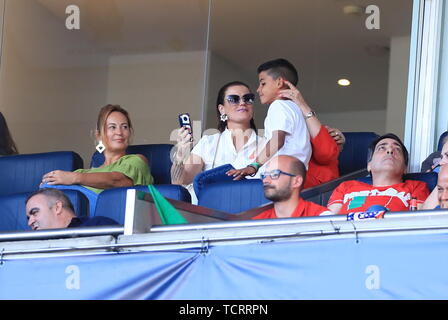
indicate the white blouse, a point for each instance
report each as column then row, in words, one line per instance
column 218, row 149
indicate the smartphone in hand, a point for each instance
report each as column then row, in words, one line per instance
column 184, row 121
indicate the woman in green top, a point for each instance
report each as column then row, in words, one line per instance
column 114, row 129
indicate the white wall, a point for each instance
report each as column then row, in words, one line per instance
column 49, row 96
column 397, row 87
column 372, row 120
column 155, row 89
column 54, row 81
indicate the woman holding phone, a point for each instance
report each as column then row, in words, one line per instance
column 235, row 142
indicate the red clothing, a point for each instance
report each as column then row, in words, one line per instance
column 323, row 165
column 356, row 196
column 303, row 209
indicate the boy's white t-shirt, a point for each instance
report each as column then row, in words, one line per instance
column 286, row 116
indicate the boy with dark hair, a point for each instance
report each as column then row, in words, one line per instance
column 280, row 68
column 285, row 127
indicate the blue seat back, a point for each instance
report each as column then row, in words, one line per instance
column 23, row 173
column 158, row 156
column 12, row 209
column 354, row 154
column 233, row 196
column 430, row 178
column 321, row 194
column 111, row 203
column 207, row 177
column 88, row 194
column 441, row 138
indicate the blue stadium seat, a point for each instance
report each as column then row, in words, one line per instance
column 88, row 194
column 207, row 177
column 23, row 173
column 441, row 138
column 111, row 203
column 12, row 209
column 321, row 194
column 233, row 196
column 158, row 156
column 354, row 154
column 430, row 178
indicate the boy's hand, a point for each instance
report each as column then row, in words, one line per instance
column 239, row 174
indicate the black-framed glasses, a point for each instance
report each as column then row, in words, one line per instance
column 275, row 174
column 235, row 99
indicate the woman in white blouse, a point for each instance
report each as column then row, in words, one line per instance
column 236, row 142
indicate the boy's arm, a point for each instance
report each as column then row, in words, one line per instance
column 274, row 144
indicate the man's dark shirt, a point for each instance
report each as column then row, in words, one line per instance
column 94, row 221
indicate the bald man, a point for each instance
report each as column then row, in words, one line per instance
column 433, row 201
column 442, row 187
column 282, row 182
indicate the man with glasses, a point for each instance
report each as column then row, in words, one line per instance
column 282, row 182
column 50, row 208
column 387, row 163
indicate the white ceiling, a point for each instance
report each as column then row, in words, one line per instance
column 322, row 42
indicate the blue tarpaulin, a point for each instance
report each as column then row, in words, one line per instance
column 382, row 267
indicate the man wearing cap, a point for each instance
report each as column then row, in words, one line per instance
column 387, row 163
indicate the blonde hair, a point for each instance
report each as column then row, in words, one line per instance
column 105, row 113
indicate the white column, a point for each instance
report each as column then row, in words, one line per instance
column 423, row 80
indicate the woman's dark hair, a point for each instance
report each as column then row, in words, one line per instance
column 7, row 145
column 220, row 100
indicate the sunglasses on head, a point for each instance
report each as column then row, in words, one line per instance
column 235, row 99
column 275, row 174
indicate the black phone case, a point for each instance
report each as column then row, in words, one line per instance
column 184, row 121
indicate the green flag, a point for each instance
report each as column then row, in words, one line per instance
column 168, row 214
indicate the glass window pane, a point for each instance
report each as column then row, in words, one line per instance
column 326, row 40
column 147, row 56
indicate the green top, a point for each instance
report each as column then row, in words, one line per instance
column 132, row 166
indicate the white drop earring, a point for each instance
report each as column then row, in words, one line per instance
column 224, row 117
column 100, row 147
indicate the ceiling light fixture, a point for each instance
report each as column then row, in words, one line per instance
column 344, row 82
